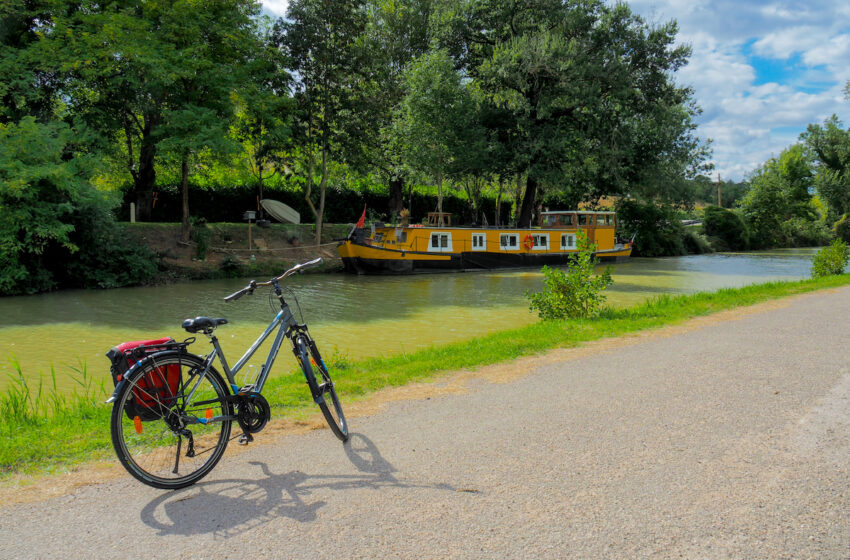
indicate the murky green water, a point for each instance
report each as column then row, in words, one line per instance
column 358, row 315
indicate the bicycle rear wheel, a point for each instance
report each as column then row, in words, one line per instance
column 321, row 386
column 171, row 422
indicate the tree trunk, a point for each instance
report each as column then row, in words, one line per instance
column 396, row 185
column 518, row 195
column 527, row 209
column 499, row 199
column 260, row 206
column 145, row 178
column 184, row 188
column 322, row 191
column 440, row 199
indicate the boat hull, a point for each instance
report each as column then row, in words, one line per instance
column 365, row 259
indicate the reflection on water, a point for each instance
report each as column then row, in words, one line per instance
column 358, row 315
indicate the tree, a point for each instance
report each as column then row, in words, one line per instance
column 28, row 87
column 149, row 70
column 432, row 117
column 396, row 33
column 779, row 192
column 590, row 87
column 322, row 39
column 829, row 148
column 265, row 112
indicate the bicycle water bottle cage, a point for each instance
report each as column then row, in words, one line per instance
column 203, row 324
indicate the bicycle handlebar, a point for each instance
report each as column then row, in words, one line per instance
column 249, row 289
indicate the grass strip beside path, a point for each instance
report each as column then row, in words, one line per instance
column 44, row 432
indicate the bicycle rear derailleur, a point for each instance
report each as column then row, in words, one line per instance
column 252, row 412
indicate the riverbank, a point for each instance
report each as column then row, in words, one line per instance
column 232, row 250
column 44, row 432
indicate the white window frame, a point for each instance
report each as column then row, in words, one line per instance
column 483, row 240
column 441, row 249
column 537, row 236
column 568, row 237
column 514, row 236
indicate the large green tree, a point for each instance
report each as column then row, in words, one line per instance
column 265, row 112
column 829, row 146
column 323, row 40
column 396, row 33
column 27, row 85
column 779, row 193
column 589, row 85
column 148, row 70
column 432, row 118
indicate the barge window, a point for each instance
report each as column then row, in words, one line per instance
column 509, row 241
column 568, row 241
column 541, row 242
column 479, row 242
column 440, row 242
column 583, row 219
column 567, row 219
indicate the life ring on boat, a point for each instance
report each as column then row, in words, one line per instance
column 528, row 242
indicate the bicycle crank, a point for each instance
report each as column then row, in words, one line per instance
column 252, row 412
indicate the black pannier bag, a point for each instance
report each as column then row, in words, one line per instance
column 158, row 390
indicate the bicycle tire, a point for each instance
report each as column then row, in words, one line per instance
column 151, row 449
column 333, row 414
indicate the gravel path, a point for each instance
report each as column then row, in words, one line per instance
column 731, row 440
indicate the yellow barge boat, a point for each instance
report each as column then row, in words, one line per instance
column 431, row 248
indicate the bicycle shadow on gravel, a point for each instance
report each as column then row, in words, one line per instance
column 232, row 506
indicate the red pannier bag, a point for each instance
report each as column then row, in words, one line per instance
column 158, row 389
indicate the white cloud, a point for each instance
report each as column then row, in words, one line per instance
column 785, row 42
column 751, row 123
column 276, row 7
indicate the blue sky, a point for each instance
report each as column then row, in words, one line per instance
column 761, row 71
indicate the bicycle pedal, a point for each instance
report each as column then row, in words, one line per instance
column 245, row 439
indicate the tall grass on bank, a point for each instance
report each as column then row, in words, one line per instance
column 42, row 430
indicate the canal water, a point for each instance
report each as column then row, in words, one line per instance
column 357, row 316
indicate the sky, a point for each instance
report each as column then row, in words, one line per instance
column 761, row 71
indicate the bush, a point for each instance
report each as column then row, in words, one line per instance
column 831, row 260
column 696, row 243
column 56, row 229
column 841, row 229
column 575, row 293
column 727, row 227
column 657, row 228
column 202, row 236
column 803, row 232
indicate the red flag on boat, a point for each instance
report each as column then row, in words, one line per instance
column 362, row 221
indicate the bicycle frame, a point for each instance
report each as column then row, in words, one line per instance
column 285, row 322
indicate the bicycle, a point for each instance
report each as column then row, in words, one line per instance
column 170, row 395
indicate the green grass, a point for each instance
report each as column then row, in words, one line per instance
column 44, row 431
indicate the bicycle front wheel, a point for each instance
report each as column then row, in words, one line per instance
column 321, row 386
column 171, row 421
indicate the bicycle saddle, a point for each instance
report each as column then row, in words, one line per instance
column 204, row 324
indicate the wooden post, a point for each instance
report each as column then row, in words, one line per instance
column 719, row 185
column 132, row 212
column 250, row 239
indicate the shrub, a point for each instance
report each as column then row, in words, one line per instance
column 831, row 260
column 727, row 227
column 575, row 293
column 657, row 228
column 803, row 232
column 56, row 229
column 841, row 229
column 202, row 236
column 696, row 243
